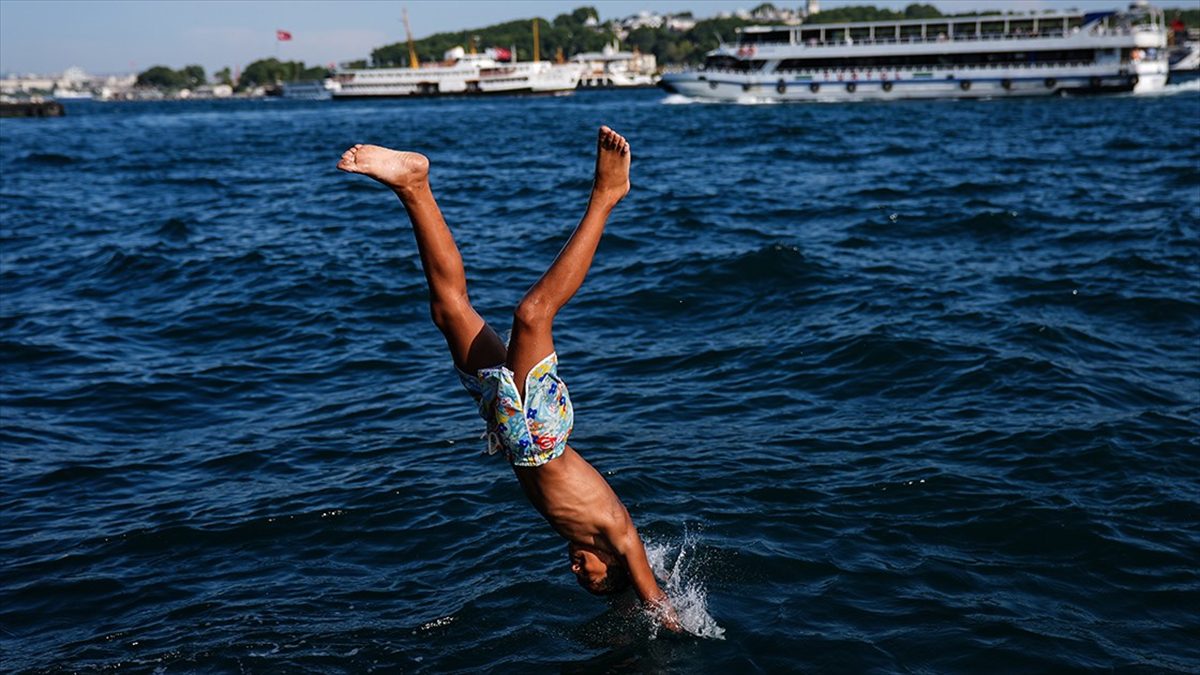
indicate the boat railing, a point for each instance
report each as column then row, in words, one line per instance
column 907, row 69
column 943, row 38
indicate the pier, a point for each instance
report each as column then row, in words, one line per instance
column 28, row 109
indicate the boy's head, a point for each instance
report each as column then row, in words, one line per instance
column 597, row 571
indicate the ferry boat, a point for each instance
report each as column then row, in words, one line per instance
column 460, row 74
column 612, row 68
column 309, row 90
column 496, row 71
column 948, row 57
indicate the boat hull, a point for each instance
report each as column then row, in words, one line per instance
column 876, row 85
column 343, row 96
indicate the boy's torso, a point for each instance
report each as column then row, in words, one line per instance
column 574, row 498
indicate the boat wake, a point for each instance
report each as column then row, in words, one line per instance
column 680, row 567
column 1189, row 86
column 680, row 99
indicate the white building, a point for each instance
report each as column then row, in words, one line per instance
column 643, row 19
column 680, row 24
column 73, row 83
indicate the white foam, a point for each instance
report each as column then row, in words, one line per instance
column 680, row 99
column 676, row 564
column 1188, row 86
column 757, row 100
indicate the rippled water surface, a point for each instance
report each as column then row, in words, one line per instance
column 908, row 387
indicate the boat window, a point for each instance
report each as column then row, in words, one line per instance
column 1049, row 26
column 937, row 31
column 998, row 58
column 720, row 62
column 858, row 34
column 766, row 37
column 810, row 34
column 911, row 31
column 725, row 62
column 1074, row 22
column 992, row 28
column 1023, row 27
column 963, row 29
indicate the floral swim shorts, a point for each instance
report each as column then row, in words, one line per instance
column 531, row 432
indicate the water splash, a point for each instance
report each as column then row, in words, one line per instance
column 681, row 568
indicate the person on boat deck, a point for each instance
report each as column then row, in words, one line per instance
column 516, row 386
column 1178, row 30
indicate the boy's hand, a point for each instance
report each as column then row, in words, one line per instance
column 664, row 613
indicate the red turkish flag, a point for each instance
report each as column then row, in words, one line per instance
column 282, row 35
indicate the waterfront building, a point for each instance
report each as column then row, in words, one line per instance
column 73, row 83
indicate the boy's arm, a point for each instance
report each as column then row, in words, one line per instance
column 629, row 548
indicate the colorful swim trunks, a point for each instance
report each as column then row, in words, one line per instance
column 532, row 432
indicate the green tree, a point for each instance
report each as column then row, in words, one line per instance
column 223, row 76
column 1190, row 16
column 162, row 77
column 577, row 18
column 919, row 11
column 269, row 72
column 566, row 32
column 193, row 75
column 314, row 73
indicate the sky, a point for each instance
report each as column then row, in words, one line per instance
column 124, row 36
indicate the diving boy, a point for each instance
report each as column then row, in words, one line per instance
column 525, row 404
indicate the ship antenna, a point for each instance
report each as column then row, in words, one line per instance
column 412, row 49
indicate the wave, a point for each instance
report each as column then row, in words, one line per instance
column 49, row 158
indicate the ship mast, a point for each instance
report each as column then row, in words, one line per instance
column 537, row 52
column 412, row 49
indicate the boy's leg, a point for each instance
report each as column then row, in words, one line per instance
column 532, row 321
column 473, row 344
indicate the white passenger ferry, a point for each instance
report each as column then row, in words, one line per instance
column 611, row 67
column 460, row 74
column 948, row 57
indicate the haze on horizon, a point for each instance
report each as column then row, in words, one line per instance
column 124, row 36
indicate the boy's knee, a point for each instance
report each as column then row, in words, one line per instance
column 533, row 311
column 446, row 314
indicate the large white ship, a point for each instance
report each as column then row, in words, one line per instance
column 459, row 74
column 948, row 57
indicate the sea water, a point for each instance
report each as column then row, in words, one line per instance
column 885, row 387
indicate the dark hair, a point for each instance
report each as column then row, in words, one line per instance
column 616, row 579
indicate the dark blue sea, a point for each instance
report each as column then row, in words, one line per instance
column 887, row 388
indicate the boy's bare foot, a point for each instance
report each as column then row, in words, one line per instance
column 397, row 170
column 612, row 168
